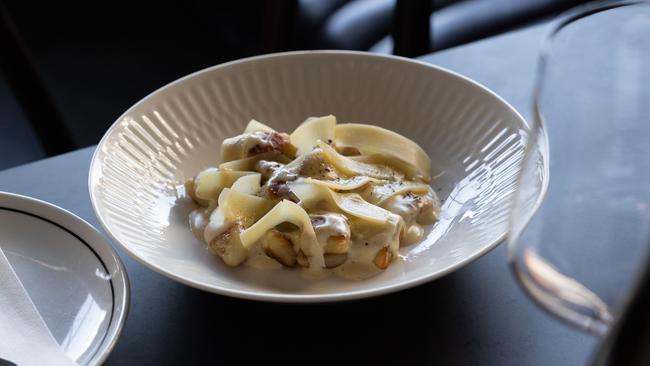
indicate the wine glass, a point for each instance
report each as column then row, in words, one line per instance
column 578, row 255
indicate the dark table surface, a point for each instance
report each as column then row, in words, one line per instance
column 475, row 316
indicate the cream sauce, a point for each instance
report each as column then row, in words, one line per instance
column 267, row 168
column 413, row 234
column 415, row 210
column 366, row 243
column 327, row 225
column 259, row 260
column 198, row 222
column 407, row 206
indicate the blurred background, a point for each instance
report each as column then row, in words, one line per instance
column 69, row 69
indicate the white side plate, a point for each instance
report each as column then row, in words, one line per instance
column 73, row 275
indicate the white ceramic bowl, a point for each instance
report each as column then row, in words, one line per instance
column 475, row 139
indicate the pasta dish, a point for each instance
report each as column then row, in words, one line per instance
column 327, row 198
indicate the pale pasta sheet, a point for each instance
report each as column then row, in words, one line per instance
column 328, row 198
